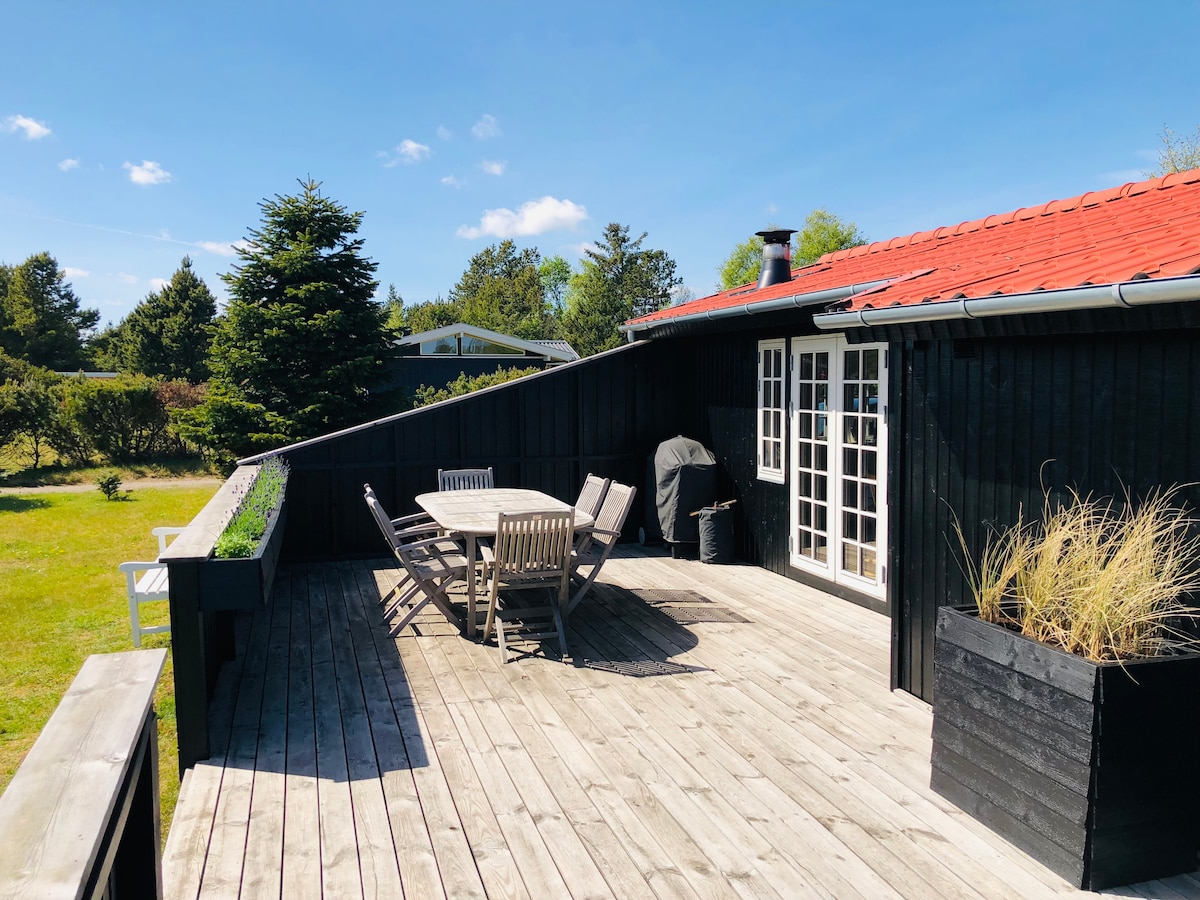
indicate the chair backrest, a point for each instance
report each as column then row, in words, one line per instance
column 381, row 518
column 617, row 503
column 592, row 495
column 533, row 546
column 465, row 479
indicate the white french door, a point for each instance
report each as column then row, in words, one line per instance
column 839, row 461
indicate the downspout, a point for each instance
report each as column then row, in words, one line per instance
column 1123, row 295
column 794, row 301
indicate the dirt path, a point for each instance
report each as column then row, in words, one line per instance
column 132, row 485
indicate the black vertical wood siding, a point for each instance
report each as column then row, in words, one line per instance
column 986, row 424
column 602, row 415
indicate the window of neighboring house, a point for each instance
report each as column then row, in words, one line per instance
column 478, row 346
column 445, row 346
column 770, row 410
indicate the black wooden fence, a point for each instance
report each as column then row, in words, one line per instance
column 603, row 414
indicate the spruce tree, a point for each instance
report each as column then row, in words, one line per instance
column 168, row 334
column 301, row 342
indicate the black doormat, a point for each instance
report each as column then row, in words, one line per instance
column 687, row 607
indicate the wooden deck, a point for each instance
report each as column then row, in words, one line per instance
column 747, row 746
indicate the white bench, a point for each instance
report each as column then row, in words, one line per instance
column 147, row 582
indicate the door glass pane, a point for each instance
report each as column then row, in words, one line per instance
column 871, row 365
column 849, row 557
column 806, row 366
column 850, row 398
column 850, row 525
column 851, row 372
column 850, row 461
column 820, row 548
column 822, row 366
column 850, row 426
column 868, row 564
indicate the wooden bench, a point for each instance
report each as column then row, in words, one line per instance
column 81, row 816
column 147, row 582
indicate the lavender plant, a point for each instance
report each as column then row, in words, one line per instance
column 254, row 512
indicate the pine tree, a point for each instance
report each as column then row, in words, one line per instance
column 619, row 281
column 502, row 290
column 301, row 343
column 168, row 334
column 41, row 320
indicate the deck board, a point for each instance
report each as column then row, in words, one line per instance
column 758, row 758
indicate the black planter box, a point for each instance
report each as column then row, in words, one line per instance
column 243, row 584
column 1090, row 768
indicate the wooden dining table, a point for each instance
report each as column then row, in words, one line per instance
column 475, row 513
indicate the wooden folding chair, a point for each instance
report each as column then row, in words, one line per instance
column 531, row 551
column 592, row 495
column 431, row 563
column 465, row 479
column 597, row 542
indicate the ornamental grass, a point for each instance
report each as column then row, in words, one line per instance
column 1098, row 579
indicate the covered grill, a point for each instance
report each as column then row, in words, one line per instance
column 682, row 478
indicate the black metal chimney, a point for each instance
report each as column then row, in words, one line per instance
column 777, row 257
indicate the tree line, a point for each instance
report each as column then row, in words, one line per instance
column 302, row 344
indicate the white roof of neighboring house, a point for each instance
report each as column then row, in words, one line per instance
column 555, row 351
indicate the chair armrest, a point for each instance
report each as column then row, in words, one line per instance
column 162, row 532
column 590, row 530
column 140, row 566
column 414, row 517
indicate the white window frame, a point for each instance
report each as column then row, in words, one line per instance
column 839, row 479
column 772, row 413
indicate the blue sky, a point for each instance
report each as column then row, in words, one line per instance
column 134, row 133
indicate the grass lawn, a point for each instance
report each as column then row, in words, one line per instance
column 62, row 599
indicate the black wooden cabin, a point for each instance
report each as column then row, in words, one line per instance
column 856, row 411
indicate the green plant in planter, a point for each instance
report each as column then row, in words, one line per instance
column 254, row 511
column 1097, row 580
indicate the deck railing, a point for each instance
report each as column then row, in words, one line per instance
column 203, row 602
column 81, row 816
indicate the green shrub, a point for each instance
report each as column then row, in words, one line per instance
column 110, row 487
column 464, row 385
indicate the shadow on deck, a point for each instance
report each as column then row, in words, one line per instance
column 716, row 731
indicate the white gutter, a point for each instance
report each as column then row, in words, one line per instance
column 752, row 308
column 1123, row 295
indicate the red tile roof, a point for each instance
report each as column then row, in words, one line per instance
column 1143, row 229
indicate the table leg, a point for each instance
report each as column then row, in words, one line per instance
column 471, row 628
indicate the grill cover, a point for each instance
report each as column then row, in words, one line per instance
column 685, row 479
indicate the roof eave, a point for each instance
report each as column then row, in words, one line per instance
column 791, row 301
column 1119, row 295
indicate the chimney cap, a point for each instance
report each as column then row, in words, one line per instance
column 777, row 235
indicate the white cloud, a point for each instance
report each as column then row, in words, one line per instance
column 148, row 173
column 222, row 248
column 581, row 250
column 412, row 151
column 444, row 133
column 72, row 272
column 158, row 283
column 493, row 167
column 533, row 217
column 407, row 152
column 127, row 278
column 68, row 164
column 32, row 129
column 485, row 128
column 451, row 181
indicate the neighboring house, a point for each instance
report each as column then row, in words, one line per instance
column 435, row 358
column 860, row 406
